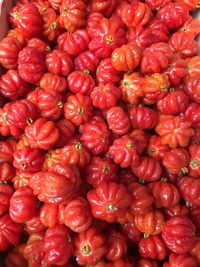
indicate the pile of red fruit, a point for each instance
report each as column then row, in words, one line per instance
column 100, row 134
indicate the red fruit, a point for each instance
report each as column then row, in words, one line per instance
column 150, row 223
column 42, row 134
column 155, row 148
column 86, row 61
column 109, row 201
column 191, row 25
column 12, row 86
column 66, row 130
column 111, row 35
column 117, row 246
column 29, row 20
column 9, row 51
column 165, row 194
column 176, row 161
column 73, row 14
column 180, row 210
column 90, row 247
column 156, row 58
column 124, row 152
column 49, row 214
column 42, row 5
column 146, row 263
column 34, row 225
column 78, row 109
column 173, row 15
column 6, row 150
column 184, row 44
column 93, row 21
column 105, row 95
column 101, row 170
column 174, row 132
column 6, row 193
column 53, row 83
column 141, row 138
column 21, row 179
column 173, row 103
column 9, row 232
column 158, row 4
column 40, row 45
column 131, row 232
column 27, row 159
column 77, row 215
column 142, row 199
column 31, row 65
column 75, row 43
column 22, row 205
column 194, row 166
column 192, row 88
column 59, row 62
column 189, row 188
column 181, row 260
column 192, row 114
column 118, row 120
column 143, row 117
column 106, row 73
column 96, row 136
column 152, row 247
column 15, row 258
column 126, row 58
column 178, row 234
column 54, row 253
column 51, row 27
column 80, row 82
column 149, row 169
column 159, row 31
column 6, row 172
column 135, row 14
column 104, row 6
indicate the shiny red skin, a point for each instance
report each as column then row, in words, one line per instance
column 6, row 171
column 31, row 64
column 9, row 232
column 142, row 199
column 150, row 223
column 12, row 86
column 54, row 253
column 106, row 73
column 15, row 258
column 29, row 20
column 80, row 82
column 86, row 61
column 77, row 215
column 106, row 7
column 181, row 260
column 51, row 26
column 66, row 130
column 129, row 11
column 53, row 83
column 143, row 118
column 49, row 214
column 117, row 246
column 75, row 153
column 158, row 30
column 184, row 44
column 189, row 188
column 141, row 138
column 173, row 103
column 158, row 4
column 75, row 43
column 101, row 170
column 111, row 35
column 166, row 195
column 6, row 193
column 7, row 150
column 21, row 179
column 131, row 232
column 22, row 205
column 180, row 210
column 93, row 21
column 78, row 109
column 146, row 263
column 22, row 113
column 49, row 104
column 57, row 185
column 124, row 152
column 178, row 234
column 126, row 58
column 9, row 51
column 176, row 161
column 173, row 15
column 192, row 114
column 90, row 247
column 27, row 159
column 194, row 165
column 40, row 45
column 109, row 201
column 192, row 88
column 118, row 121
column 59, row 62
column 155, row 64
column 194, row 213
column 149, row 169
column 105, row 95
column 73, row 14
column 180, row 137
column 42, row 134
column 155, row 148
column 121, row 263
column 42, row 5
column 195, row 139
column 34, row 225
column 152, row 247
column 191, row 25
column 96, row 136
